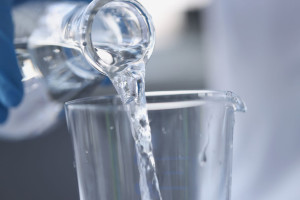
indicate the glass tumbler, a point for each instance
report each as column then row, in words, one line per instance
column 192, row 135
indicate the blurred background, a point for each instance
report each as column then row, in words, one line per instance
column 250, row 47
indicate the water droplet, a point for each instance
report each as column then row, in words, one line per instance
column 143, row 122
column 204, row 153
column 203, row 160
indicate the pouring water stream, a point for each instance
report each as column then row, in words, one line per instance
column 124, row 63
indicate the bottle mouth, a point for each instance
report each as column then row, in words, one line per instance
column 116, row 34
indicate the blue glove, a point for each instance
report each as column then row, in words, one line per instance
column 11, row 87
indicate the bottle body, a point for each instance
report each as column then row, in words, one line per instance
column 57, row 58
column 67, row 48
column 54, row 70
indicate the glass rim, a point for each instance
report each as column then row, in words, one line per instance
column 184, row 98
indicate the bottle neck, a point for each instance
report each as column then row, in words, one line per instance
column 77, row 30
column 107, row 31
column 71, row 25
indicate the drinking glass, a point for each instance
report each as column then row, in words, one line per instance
column 192, row 135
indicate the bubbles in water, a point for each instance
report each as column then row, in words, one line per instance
column 143, row 122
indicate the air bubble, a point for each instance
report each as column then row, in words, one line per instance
column 143, row 122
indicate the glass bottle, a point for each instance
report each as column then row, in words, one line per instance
column 66, row 48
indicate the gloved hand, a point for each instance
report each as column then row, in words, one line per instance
column 11, row 87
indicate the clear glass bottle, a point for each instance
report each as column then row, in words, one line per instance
column 65, row 48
